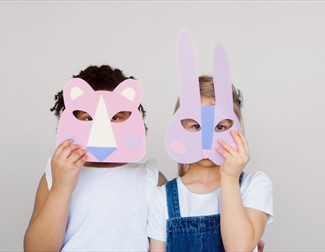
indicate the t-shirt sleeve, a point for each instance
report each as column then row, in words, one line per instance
column 48, row 173
column 156, row 226
column 152, row 174
column 257, row 193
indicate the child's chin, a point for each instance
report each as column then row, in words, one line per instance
column 206, row 162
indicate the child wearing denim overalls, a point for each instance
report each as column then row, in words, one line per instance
column 211, row 207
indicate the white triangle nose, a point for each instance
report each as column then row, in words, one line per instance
column 101, row 133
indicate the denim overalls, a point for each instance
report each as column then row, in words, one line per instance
column 197, row 233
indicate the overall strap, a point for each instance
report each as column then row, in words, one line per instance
column 172, row 199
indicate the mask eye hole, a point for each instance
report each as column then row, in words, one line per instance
column 82, row 115
column 121, row 116
column 224, row 125
column 191, row 125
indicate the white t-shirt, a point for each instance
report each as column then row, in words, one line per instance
column 109, row 208
column 256, row 191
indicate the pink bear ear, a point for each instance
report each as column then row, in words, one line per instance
column 75, row 88
column 130, row 89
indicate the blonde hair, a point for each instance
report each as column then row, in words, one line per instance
column 207, row 89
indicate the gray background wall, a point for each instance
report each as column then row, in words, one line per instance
column 277, row 55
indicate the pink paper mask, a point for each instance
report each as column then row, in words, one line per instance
column 189, row 147
column 104, row 139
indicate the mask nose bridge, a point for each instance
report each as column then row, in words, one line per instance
column 207, row 128
column 101, row 141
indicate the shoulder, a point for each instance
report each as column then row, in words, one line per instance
column 256, row 177
column 157, row 216
column 158, row 202
column 257, row 192
column 145, row 166
column 147, row 169
column 256, row 183
column 151, row 169
column 150, row 172
column 159, row 196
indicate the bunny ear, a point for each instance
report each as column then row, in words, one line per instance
column 221, row 78
column 188, row 79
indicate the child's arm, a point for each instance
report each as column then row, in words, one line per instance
column 161, row 179
column 156, row 225
column 156, row 245
column 47, row 226
column 241, row 228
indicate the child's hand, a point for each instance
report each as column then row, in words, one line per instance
column 235, row 160
column 66, row 162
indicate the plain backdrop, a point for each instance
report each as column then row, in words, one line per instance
column 277, row 55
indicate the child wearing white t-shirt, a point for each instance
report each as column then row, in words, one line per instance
column 209, row 201
column 92, row 206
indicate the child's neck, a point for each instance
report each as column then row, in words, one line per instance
column 103, row 165
column 202, row 179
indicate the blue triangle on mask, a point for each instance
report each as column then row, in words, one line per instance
column 101, row 153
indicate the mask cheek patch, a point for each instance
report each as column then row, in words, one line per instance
column 177, row 147
column 70, row 136
column 133, row 142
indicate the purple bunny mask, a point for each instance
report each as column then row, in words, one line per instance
column 189, row 147
column 104, row 139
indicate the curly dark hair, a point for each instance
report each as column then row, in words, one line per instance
column 99, row 78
